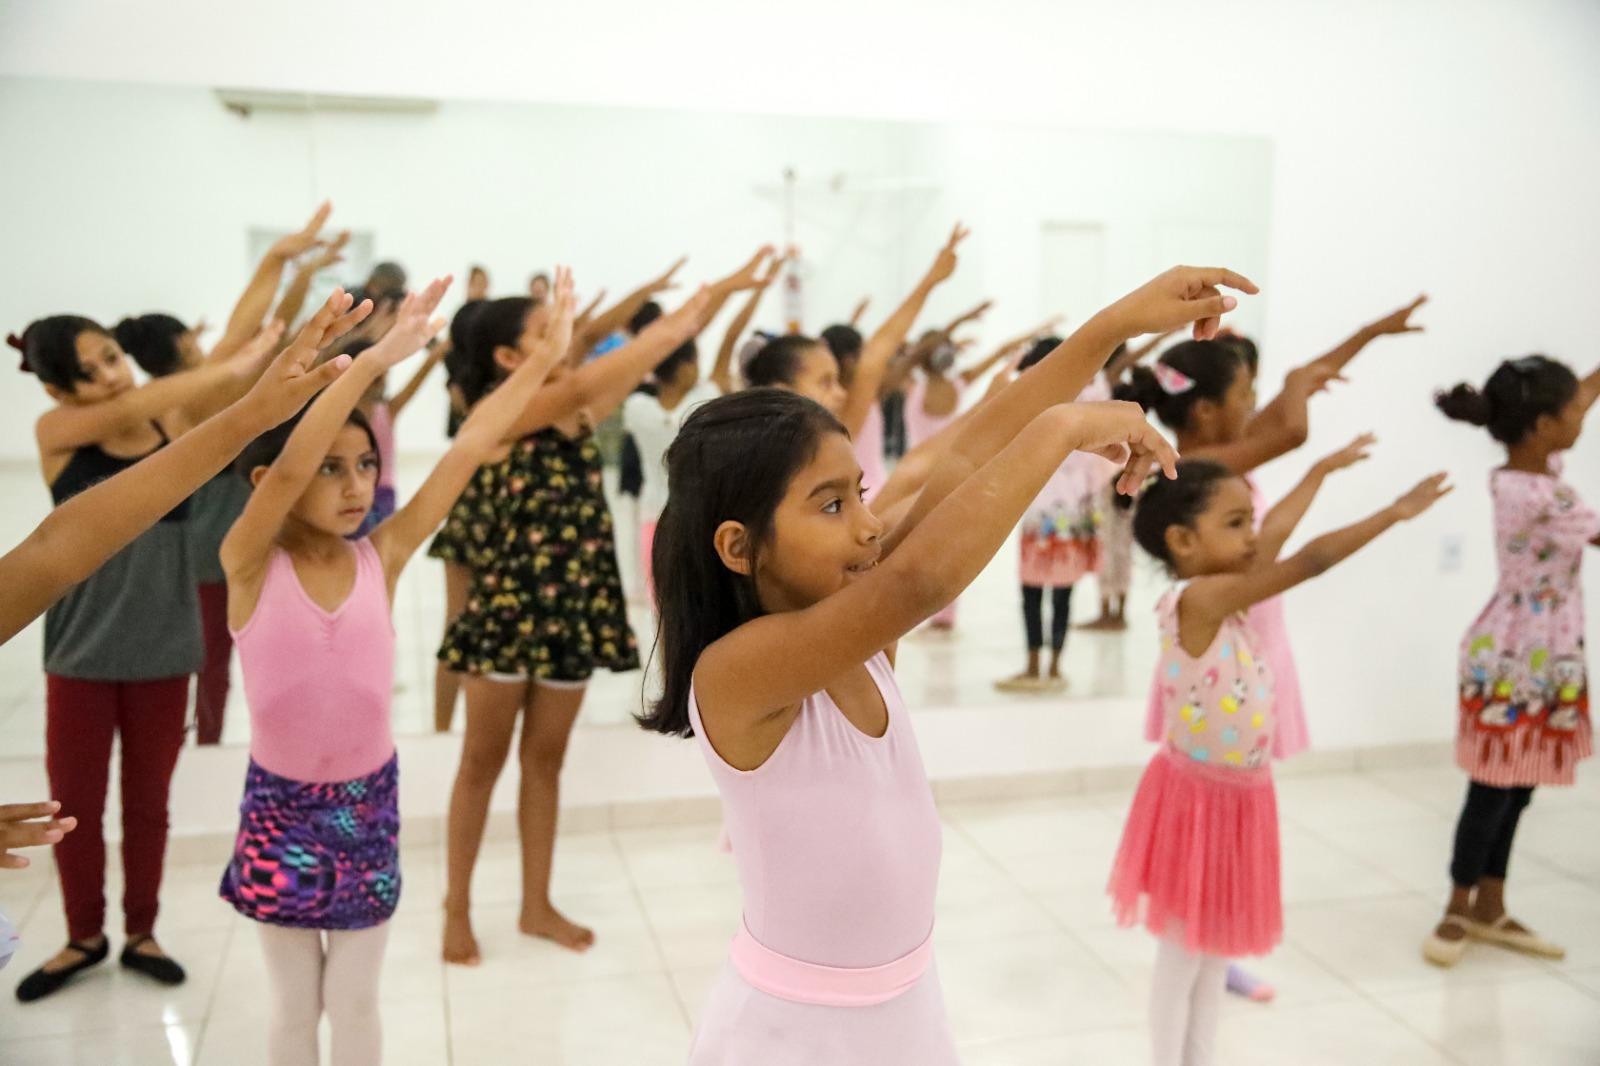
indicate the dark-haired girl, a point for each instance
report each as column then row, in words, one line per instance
column 782, row 597
column 161, row 344
column 1058, row 544
column 545, row 607
column 118, row 648
column 1205, row 392
column 1524, row 686
column 1198, row 864
column 316, row 859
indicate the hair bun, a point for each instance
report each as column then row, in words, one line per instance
column 1465, row 403
column 15, row 342
column 1141, row 387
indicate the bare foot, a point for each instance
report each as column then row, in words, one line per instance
column 551, row 924
column 1104, row 625
column 460, row 946
column 70, row 956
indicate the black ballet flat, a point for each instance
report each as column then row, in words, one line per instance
column 157, row 967
column 41, row 982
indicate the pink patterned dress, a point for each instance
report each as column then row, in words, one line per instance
column 1059, row 534
column 1524, row 703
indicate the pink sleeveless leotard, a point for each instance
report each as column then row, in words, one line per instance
column 319, row 683
column 837, row 843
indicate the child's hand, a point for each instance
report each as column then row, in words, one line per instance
column 1357, row 451
column 665, row 282
column 29, row 825
column 552, row 323
column 1306, row 381
column 413, row 325
column 293, row 378
column 944, row 264
column 1176, row 298
column 257, row 352
column 1118, row 431
column 1427, row 493
column 331, row 255
column 749, row 276
column 1399, row 321
column 301, row 241
column 688, row 319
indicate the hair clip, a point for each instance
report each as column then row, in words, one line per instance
column 1173, row 381
column 1528, row 364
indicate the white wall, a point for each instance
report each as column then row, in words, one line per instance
column 1433, row 145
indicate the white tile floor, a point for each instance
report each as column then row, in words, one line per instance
column 1034, row 972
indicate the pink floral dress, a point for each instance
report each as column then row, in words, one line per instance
column 1524, row 706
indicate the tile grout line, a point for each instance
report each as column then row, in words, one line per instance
column 655, row 935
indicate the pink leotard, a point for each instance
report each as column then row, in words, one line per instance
column 318, row 682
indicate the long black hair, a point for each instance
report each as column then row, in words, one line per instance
column 50, row 349
column 732, row 462
column 1516, row 394
column 152, row 340
column 1212, row 366
column 1178, row 502
column 492, row 324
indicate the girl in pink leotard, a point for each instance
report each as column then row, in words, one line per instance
column 316, row 862
column 782, row 596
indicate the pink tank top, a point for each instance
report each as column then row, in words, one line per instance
column 319, row 683
column 920, row 425
column 868, row 446
column 1218, row 707
column 836, row 836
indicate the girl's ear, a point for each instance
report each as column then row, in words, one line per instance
column 507, row 358
column 732, row 542
column 256, row 474
column 58, row 395
column 1182, row 542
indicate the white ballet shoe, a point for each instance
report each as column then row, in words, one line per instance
column 1503, row 932
column 1444, row 952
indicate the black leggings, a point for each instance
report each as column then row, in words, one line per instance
column 1033, row 616
column 1483, row 835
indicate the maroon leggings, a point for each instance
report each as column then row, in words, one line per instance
column 81, row 717
column 211, row 683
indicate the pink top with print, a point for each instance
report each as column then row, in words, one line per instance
column 1218, row 707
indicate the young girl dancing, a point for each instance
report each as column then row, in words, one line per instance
column 766, row 547
column 1524, row 689
column 316, row 860
column 546, row 607
column 1058, row 545
column 119, row 648
column 1198, row 862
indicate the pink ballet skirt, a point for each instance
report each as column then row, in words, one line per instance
column 1199, row 857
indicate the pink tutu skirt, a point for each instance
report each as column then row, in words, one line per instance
column 1199, row 857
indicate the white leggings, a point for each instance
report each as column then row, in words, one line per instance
column 1185, row 1003
column 308, row 978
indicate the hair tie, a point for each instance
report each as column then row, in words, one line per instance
column 16, row 342
column 1173, row 381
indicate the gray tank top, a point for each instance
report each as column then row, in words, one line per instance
column 137, row 618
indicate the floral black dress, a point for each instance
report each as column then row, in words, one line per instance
column 546, row 601
column 464, row 537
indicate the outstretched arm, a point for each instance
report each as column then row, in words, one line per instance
column 80, row 535
column 1280, row 522
column 251, row 310
column 294, row 297
column 1395, row 322
column 1208, row 601
column 881, row 347
column 722, row 371
column 607, row 322
column 1181, row 295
